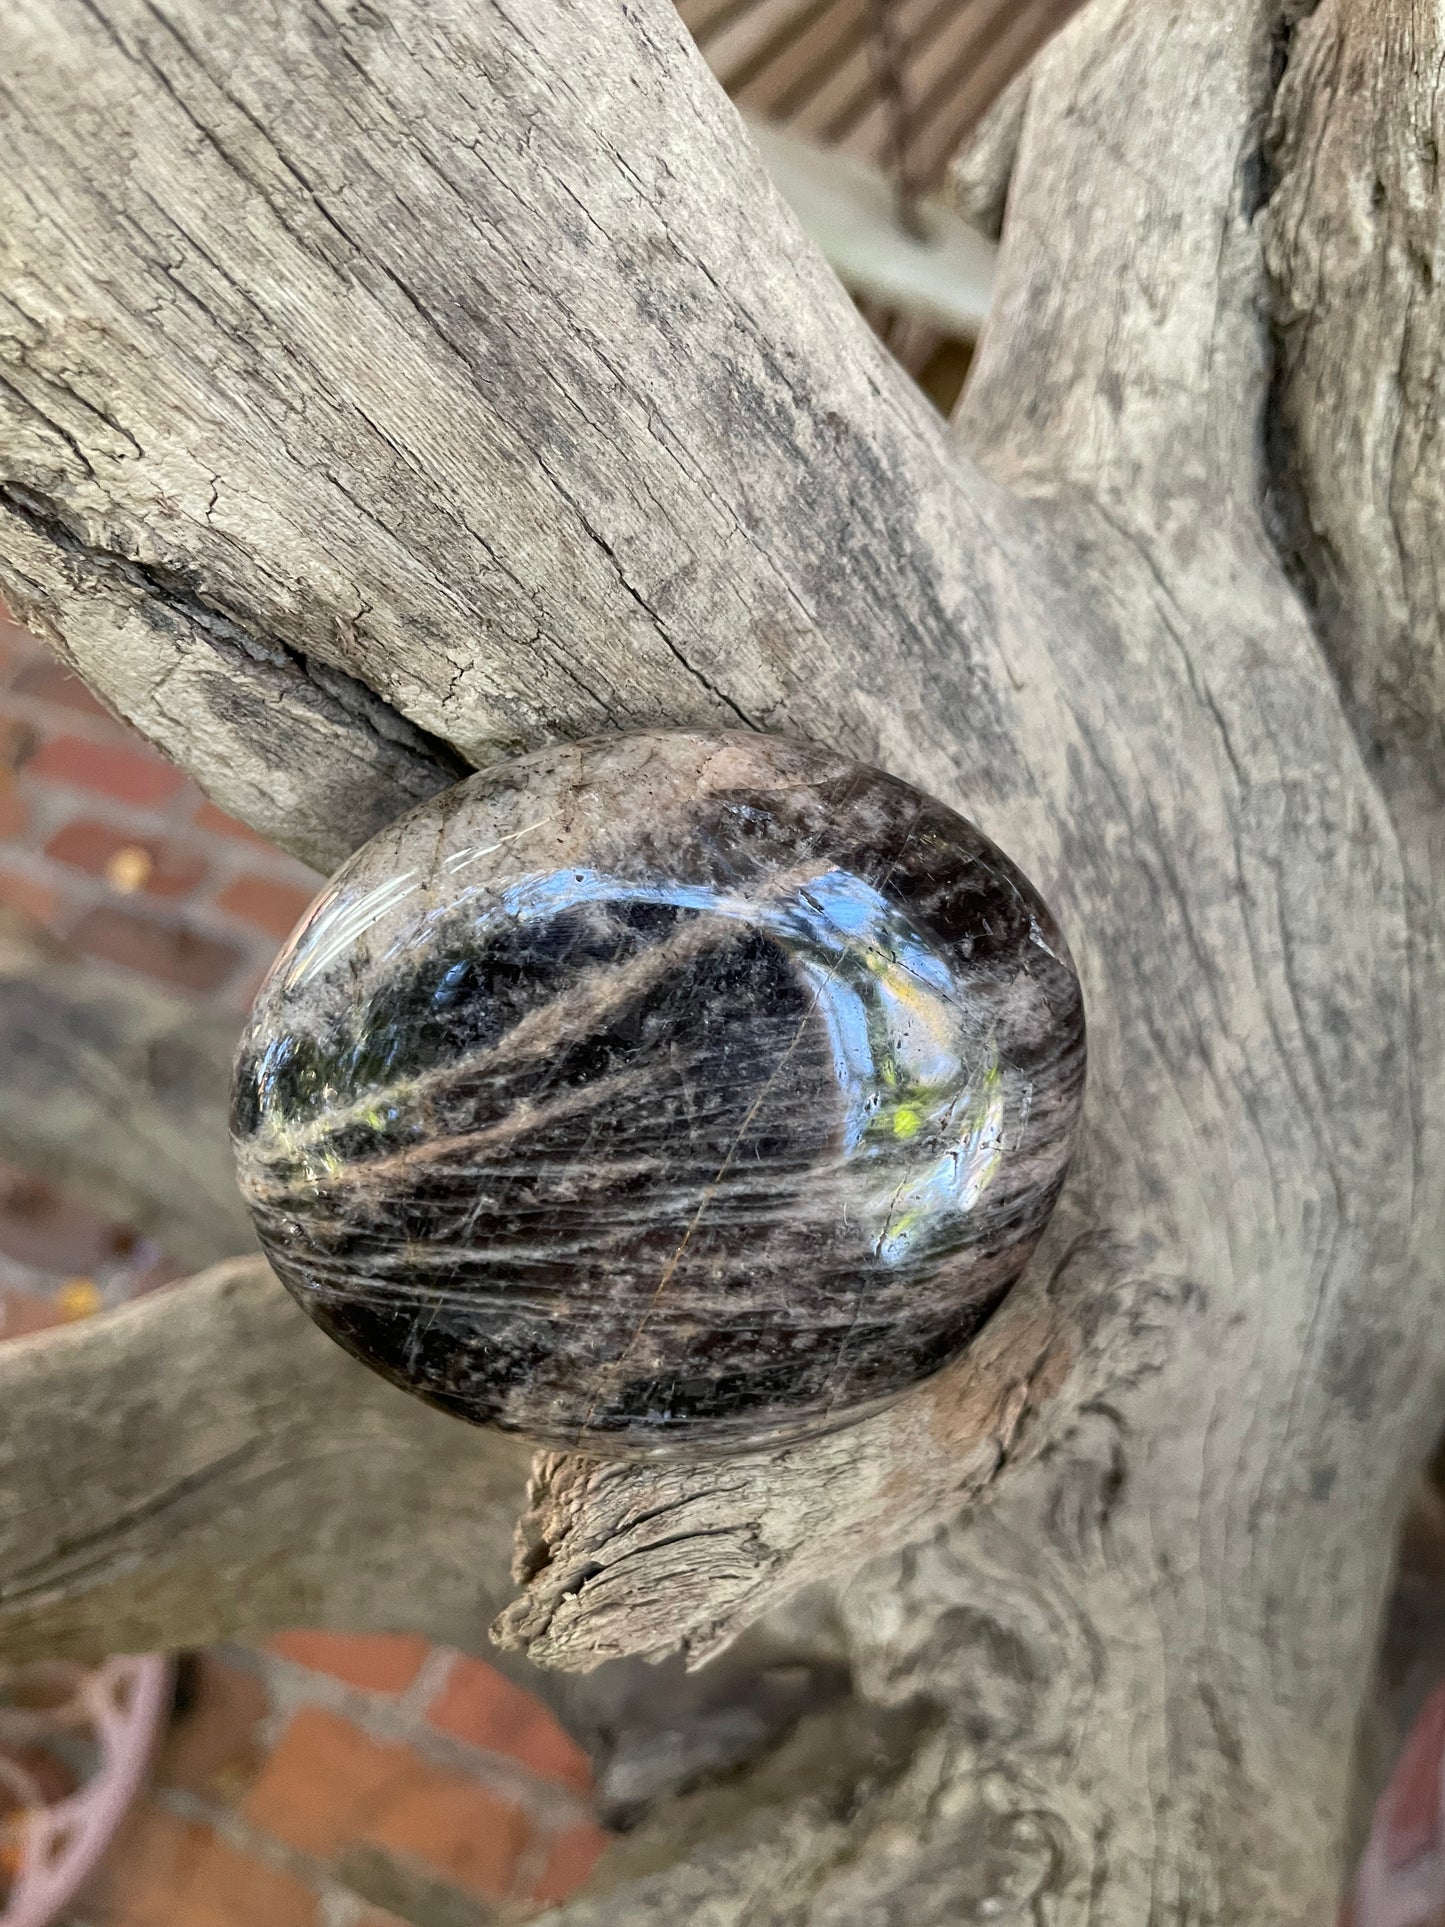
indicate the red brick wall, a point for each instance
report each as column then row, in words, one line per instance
column 333, row 1781
column 111, row 848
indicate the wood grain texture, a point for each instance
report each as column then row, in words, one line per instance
column 980, row 172
column 513, row 407
column 212, row 1483
column 207, row 1487
column 518, row 508
column 1353, row 246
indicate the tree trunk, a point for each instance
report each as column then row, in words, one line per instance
column 389, row 387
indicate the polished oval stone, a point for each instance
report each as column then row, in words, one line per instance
column 670, row 1086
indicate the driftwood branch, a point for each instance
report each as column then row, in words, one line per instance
column 205, row 1486
column 979, row 176
column 209, row 1486
column 1352, row 237
column 618, row 1559
column 307, row 619
column 117, row 1092
column 392, row 388
column 596, row 583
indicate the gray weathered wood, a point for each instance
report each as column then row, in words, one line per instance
column 118, row 1093
column 979, row 176
column 500, row 523
column 211, row 1482
column 460, row 364
column 226, row 1471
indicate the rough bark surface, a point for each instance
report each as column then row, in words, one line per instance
column 209, row 1489
column 214, row 1484
column 389, row 387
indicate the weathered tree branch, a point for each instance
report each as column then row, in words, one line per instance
column 473, row 360
column 237, row 251
column 979, row 176
column 637, row 602
column 116, row 1092
column 207, row 1486
column 210, row 1484
column 1190, row 370
column 617, row 1558
column 1353, row 240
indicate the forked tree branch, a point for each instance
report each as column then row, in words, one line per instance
column 1135, row 417
column 551, row 473
column 654, row 566
column 1353, row 244
column 618, row 1559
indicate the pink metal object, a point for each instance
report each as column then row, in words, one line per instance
column 1401, row 1879
column 121, row 1705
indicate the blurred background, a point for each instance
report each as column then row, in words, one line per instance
column 324, row 1780
column 359, row 1781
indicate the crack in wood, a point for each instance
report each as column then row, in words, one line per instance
column 170, row 594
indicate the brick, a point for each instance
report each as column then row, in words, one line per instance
column 29, row 896
column 1410, row 1810
column 17, row 742
column 329, row 1787
column 131, row 775
column 46, row 680
column 45, row 1228
column 23, row 1312
column 245, row 993
column 14, row 811
column 275, row 908
column 212, row 1749
column 478, row 1704
column 208, row 817
column 380, row 1662
column 17, row 645
column 573, row 1855
column 169, row 952
column 404, row 1890
column 158, row 866
column 460, row 1829
column 167, row 1872
column 325, row 1777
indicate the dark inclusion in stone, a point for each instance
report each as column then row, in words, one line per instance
column 665, row 1087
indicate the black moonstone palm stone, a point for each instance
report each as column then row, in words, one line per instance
column 709, row 1088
